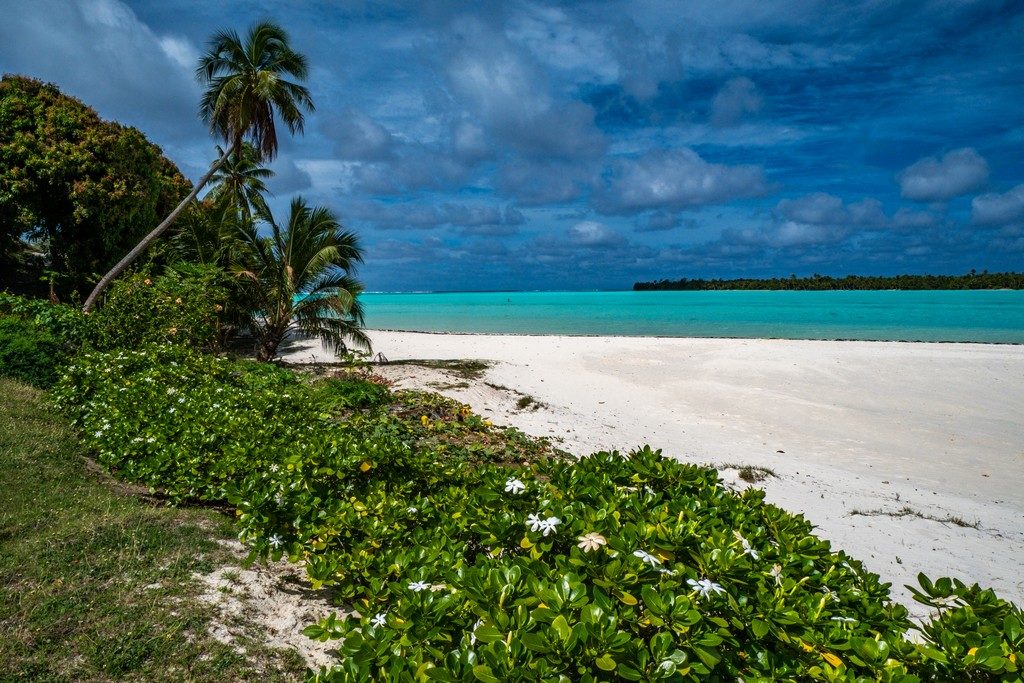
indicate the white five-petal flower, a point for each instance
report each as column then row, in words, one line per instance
column 747, row 548
column 276, row 542
column 514, row 486
column 417, row 586
column 647, row 557
column 379, row 619
column 592, row 541
column 535, row 522
column 705, row 586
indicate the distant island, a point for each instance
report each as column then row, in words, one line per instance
column 972, row 280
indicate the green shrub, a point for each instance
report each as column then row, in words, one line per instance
column 629, row 566
column 66, row 323
column 29, row 353
column 178, row 307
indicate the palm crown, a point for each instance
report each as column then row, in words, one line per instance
column 302, row 279
column 248, row 81
column 239, row 182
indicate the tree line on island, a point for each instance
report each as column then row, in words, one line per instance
column 816, row 282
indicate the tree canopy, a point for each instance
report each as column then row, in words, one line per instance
column 86, row 189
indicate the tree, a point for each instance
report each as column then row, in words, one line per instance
column 82, row 189
column 239, row 182
column 302, row 278
column 246, row 85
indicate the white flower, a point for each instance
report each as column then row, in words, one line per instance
column 746, row 545
column 181, row 400
column 514, row 486
column 276, row 542
column 591, row 541
column 274, row 468
column 705, row 586
column 171, row 391
column 647, row 557
column 411, row 510
column 535, row 522
column 379, row 619
column 417, row 586
column 549, row 524
column 845, row 620
column 669, row 572
column 776, row 573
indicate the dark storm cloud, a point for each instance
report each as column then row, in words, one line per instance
column 527, row 144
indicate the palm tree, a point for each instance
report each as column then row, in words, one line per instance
column 301, row 279
column 246, row 85
column 239, row 182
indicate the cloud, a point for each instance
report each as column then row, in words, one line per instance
column 820, row 208
column 99, row 51
column 934, row 179
column 999, row 209
column 486, row 219
column 543, row 182
column 511, row 96
column 657, row 221
column 358, row 137
column 594, row 235
column 737, row 97
column 676, row 179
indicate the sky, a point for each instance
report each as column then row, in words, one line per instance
column 587, row 145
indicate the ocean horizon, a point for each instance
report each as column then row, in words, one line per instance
column 980, row 316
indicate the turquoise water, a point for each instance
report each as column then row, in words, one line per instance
column 971, row 316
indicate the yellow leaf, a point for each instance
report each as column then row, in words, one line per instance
column 626, row 598
column 972, row 651
column 525, row 544
column 365, row 467
column 831, row 659
column 806, row 647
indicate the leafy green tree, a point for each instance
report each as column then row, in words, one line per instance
column 247, row 85
column 82, row 189
column 301, row 278
column 239, row 182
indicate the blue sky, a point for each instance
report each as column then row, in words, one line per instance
column 587, row 145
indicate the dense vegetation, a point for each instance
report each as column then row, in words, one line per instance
column 971, row 280
column 480, row 559
column 80, row 189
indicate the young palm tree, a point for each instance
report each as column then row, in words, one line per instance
column 238, row 182
column 301, row 279
column 246, row 85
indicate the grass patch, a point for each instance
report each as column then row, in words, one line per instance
column 911, row 512
column 752, row 474
column 464, row 369
column 96, row 584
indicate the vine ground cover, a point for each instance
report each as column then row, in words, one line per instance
column 465, row 567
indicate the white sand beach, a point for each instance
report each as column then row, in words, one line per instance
column 888, row 448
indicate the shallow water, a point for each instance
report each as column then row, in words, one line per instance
column 967, row 316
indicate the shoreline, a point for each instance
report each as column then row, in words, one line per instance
column 886, row 447
column 584, row 335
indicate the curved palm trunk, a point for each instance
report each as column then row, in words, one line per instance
column 90, row 303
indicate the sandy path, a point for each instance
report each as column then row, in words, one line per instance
column 848, row 427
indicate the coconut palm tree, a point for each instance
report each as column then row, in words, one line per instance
column 239, row 182
column 301, row 278
column 246, row 86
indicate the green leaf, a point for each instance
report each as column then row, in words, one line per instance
column 760, row 628
column 605, row 662
column 561, row 627
column 482, row 672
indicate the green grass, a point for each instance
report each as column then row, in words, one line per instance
column 95, row 581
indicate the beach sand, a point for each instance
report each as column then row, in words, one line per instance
column 888, row 448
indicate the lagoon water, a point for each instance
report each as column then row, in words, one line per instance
column 964, row 316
